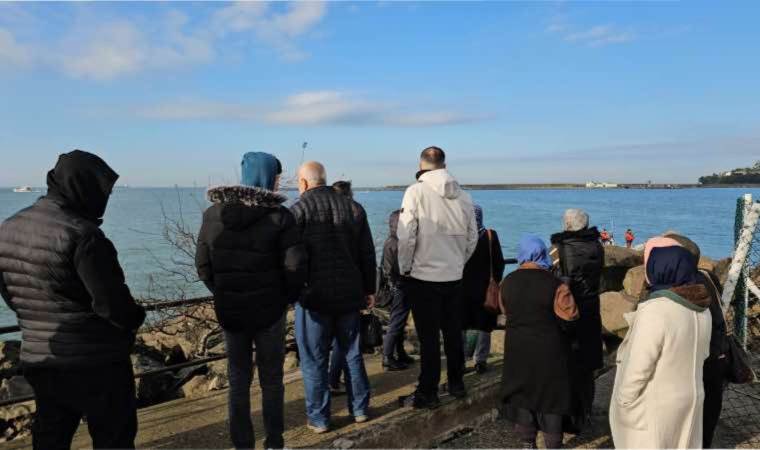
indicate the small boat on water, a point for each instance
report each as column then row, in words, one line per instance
column 24, row 189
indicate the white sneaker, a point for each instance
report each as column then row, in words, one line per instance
column 361, row 419
column 317, row 429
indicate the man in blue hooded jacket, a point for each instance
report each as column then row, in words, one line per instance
column 251, row 258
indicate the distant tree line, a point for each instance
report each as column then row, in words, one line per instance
column 737, row 176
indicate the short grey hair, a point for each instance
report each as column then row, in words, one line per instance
column 575, row 220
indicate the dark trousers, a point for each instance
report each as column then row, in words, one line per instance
column 270, row 356
column 394, row 335
column 715, row 383
column 436, row 308
column 104, row 395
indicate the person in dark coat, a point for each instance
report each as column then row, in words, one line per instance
column 341, row 282
column 486, row 262
column 251, row 258
column 60, row 274
column 579, row 259
column 716, row 365
column 394, row 354
column 537, row 380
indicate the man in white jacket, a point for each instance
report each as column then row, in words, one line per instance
column 437, row 234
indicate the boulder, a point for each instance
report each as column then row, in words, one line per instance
column 173, row 349
column 617, row 262
column 16, row 421
column 153, row 389
column 613, row 306
column 14, row 387
column 635, row 282
column 10, row 352
column 706, row 263
column 196, row 387
column 616, row 256
column 721, row 269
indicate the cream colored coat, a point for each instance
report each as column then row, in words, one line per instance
column 658, row 398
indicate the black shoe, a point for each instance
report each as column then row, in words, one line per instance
column 481, row 368
column 392, row 364
column 458, row 391
column 404, row 358
column 420, row 401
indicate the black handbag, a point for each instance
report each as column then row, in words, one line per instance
column 739, row 370
column 371, row 331
column 738, row 365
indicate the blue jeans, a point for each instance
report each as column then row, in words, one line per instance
column 270, row 356
column 482, row 347
column 314, row 335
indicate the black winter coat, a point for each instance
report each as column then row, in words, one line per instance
column 538, row 364
column 477, row 275
column 390, row 251
column 581, row 259
column 342, row 265
column 61, row 276
column 250, row 256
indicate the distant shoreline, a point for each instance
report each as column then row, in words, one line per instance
column 501, row 187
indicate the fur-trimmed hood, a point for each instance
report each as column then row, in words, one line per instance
column 246, row 196
column 692, row 296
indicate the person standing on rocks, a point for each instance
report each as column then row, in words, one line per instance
column 487, row 262
column 341, row 282
column 716, row 365
column 537, row 389
column 437, row 234
column 579, row 259
column 658, row 395
column 61, row 276
column 629, row 238
column 251, row 258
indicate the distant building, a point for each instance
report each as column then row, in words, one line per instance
column 597, row 185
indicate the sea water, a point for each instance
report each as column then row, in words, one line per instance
column 136, row 217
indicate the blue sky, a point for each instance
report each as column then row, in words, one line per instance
column 174, row 93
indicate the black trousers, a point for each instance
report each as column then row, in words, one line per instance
column 437, row 308
column 104, row 395
column 715, row 383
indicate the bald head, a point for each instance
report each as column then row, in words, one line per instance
column 432, row 158
column 311, row 175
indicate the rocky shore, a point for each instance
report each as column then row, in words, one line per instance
column 195, row 335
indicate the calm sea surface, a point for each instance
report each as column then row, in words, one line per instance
column 134, row 220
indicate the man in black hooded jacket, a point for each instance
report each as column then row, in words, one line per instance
column 60, row 274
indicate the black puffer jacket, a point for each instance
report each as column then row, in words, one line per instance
column 250, row 256
column 342, row 265
column 61, row 275
column 581, row 259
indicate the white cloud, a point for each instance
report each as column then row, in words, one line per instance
column 600, row 35
column 11, row 52
column 100, row 48
column 313, row 108
column 594, row 36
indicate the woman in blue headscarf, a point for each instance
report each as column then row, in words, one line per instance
column 658, row 398
column 537, row 385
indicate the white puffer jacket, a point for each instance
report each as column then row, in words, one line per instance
column 437, row 232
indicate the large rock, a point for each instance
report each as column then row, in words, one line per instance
column 10, row 352
column 635, row 281
column 16, row 421
column 616, row 256
column 153, row 389
column 613, row 306
column 617, row 262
